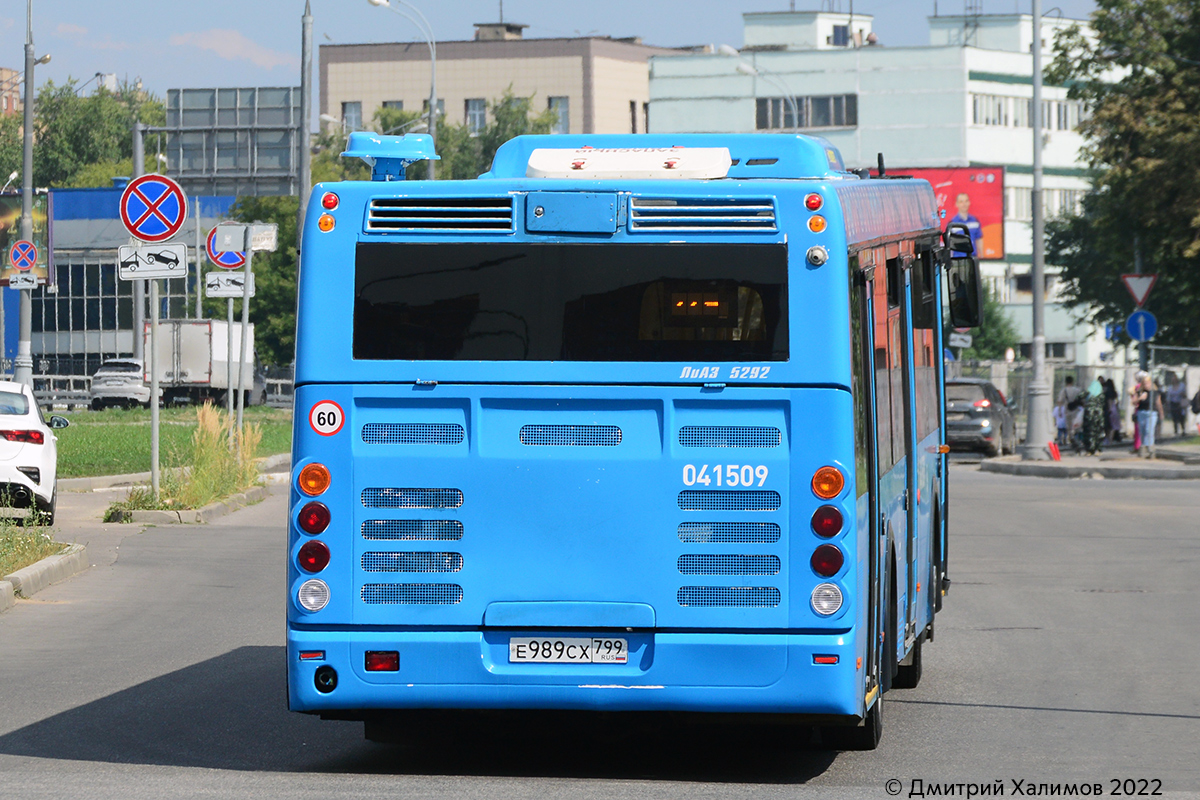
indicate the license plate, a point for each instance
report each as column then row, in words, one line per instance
column 554, row 650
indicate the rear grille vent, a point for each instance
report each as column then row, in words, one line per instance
column 413, row 529
column 735, row 532
column 728, row 436
column 701, row 214
column 572, row 435
column 412, row 433
column 734, row 500
column 714, row 596
column 411, row 214
column 728, row 565
column 414, row 562
column 417, row 594
column 412, row 498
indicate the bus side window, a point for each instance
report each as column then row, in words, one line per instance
column 924, row 308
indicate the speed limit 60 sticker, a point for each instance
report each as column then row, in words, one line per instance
column 326, row 418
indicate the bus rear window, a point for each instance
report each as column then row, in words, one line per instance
column 571, row 302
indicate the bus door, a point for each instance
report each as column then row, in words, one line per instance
column 904, row 266
column 867, row 449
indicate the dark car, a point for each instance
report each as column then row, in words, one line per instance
column 978, row 417
column 165, row 257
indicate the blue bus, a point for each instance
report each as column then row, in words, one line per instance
column 629, row 423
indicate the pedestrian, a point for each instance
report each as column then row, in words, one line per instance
column 1093, row 417
column 1060, row 422
column 1147, row 404
column 1071, row 398
column 1177, row 403
column 1112, row 407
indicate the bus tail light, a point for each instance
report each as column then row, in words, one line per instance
column 329, row 200
column 314, row 556
column 382, row 661
column 827, row 483
column 313, row 595
column 826, row 599
column 825, row 659
column 826, row 560
column 827, row 521
column 314, row 479
column 313, row 518
column 813, row 202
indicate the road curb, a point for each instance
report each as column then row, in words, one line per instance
column 1054, row 470
column 266, row 464
column 30, row 580
column 204, row 515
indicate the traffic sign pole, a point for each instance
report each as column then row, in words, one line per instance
column 241, row 396
column 154, row 387
column 229, row 359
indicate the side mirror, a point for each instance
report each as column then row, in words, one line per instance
column 966, row 292
column 958, row 239
column 57, row 422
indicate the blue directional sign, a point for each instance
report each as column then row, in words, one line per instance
column 228, row 259
column 1141, row 325
column 153, row 208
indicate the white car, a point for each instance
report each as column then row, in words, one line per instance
column 119, row 382
column 28, row 452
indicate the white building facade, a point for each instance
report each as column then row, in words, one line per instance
column 962, row 101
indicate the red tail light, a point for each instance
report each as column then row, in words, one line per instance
column 329, row 200
column 827, row 521
column 313, row 518
column 984, row 403
column 314, row 556
column 29, row 437
column 827, row 560
column 382, row 661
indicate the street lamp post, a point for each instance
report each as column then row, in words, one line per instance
column 23, row 363
column 426, row 30
column 746, row 68
column 1037, row 426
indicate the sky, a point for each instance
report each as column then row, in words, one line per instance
column 171, row 44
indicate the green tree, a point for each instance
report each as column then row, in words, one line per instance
column 74, row 134
column 1140, row 77
column 994, row 336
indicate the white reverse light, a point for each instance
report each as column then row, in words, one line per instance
column 314, row 595
column 826, row 599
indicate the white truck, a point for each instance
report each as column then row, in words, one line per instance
column 193, row 361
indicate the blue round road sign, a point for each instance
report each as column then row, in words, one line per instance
column 229, row 259
column 1141, row 325
column 153, row 208
column 23, row 255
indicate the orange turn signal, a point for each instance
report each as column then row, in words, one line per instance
column 817, row 223
column 314, row 479
column 325, row 223
column 828, row 482
column 943, row 448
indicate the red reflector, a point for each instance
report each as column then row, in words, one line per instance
column 827, row 521
column 312, row 655
column 827, row 560
column 383, row 661
column 314, row 556
column 813, row 202
column 329, row 200
column 313, row 518
column 29, row 437
column 825, row 659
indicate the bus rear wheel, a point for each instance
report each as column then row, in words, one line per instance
column 909, row 675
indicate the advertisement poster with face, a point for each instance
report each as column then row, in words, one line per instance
column 973, row 196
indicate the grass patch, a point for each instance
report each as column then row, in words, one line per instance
column 213, row 469
column 21, row 546
column 117, row 441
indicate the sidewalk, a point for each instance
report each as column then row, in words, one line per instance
column 1172, row 462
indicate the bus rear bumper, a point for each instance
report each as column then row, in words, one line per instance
column 709, row 672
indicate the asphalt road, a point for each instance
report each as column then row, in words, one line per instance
column 1065, row 654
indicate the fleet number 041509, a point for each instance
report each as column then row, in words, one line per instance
column 724, row 474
